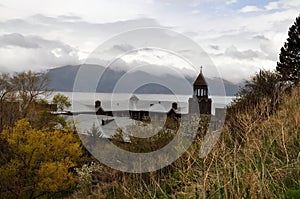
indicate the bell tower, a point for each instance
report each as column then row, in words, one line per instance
column 200, row 86
column 200, row 103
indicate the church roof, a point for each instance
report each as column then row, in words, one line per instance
column 200, row 81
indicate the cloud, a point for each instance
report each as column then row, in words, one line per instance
column 231, row 1
column 233, row 52
column 16, row 39
column 72, row 28
column 269, row 47
column 123, row 47
column 274, row 5
column 215, row 47
column 104, row 54
column 235, row 70
column 158, row 64
column 290, row 4
column 63, row 34
column 92, row 10
column 69, row 17
column 260, row 37
column 33, row 41
column 195, row 3
column 195, row 12
column 19, row 52
column 249, row 8
column 58, row 33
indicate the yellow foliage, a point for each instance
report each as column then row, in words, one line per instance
column 54, row 176
column 40, row 160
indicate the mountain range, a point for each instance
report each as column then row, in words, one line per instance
column 111, row 80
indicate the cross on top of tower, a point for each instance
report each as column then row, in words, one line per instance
column 200, row 81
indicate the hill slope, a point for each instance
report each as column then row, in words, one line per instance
column 63, row 78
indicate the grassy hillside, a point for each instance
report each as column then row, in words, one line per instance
column 264, row 159
column 261, row 161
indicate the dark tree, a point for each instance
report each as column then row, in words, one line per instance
column 259, row 98
column 289, row 58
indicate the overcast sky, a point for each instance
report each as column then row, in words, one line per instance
column 239, row 36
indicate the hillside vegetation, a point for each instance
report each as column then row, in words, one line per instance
column 257, row 155
column 262, row 161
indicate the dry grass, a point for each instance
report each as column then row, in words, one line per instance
column 260, row 161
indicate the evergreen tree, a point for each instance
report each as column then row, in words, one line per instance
column 289, row 58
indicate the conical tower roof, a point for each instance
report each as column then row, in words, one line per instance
column 200, row 81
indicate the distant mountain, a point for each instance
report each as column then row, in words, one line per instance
column 107, row 80
column 62, row 78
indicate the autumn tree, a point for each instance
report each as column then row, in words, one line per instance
column 40, row 161
column 263, row 84
column 7, row 109
column 289, row 58
column 20, row 95
column 263, row 89
column 5, row 86
column 29, row 86
column 61, row 101
column 38, row 150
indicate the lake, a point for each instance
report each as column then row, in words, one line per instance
column 84, row 101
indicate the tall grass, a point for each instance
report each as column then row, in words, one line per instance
column 258, row 158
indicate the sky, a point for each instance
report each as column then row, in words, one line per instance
column 239, row 36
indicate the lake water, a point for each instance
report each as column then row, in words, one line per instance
column 84, row 101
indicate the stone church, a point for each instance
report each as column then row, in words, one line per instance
column 138, row 109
